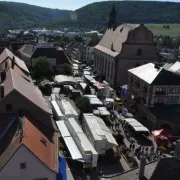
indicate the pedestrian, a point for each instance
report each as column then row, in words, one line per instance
column 100, row 173
column 133, row 146
column 130, row 146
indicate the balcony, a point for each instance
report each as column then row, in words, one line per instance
column 160, row 93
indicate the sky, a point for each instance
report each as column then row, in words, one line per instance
column 63, row 4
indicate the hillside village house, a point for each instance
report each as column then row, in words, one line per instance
column 156, row 91
column 121, row 48
column 56, row 55
column 29, row 142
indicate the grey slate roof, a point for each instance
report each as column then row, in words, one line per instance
column 164, row 169
column 151, row 75
column 133, row 174
column 34, row 51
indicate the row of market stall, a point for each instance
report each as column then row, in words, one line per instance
column 135, row 125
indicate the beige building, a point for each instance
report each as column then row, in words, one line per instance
column 121, row 48
column 156, row 91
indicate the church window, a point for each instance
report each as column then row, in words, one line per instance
column 111, row 70
column 108, row 68
column 139, row 52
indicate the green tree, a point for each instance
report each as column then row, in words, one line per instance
column 78, row 39
column 42, row 68
column 83, row 104
column 66, row 69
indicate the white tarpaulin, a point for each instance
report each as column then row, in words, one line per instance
column 71, row 145
column 137, row 126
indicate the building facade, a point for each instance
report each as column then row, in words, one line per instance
column 121, row 48
column 89, row 53
column 30, row 53
column 156, row 92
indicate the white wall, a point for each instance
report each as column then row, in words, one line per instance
column 51, row 60
column 34, row 167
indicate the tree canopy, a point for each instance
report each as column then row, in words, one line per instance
column 96, row 15
column 42, row 68
column 83, row 104
column 66, row 69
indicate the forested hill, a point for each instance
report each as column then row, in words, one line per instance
column 20, row 15
column 96, row 15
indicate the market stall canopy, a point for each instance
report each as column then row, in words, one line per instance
column 103, row 111
column 86, row 73
column 110, row 100
column 70, row 143
column 65, row 80
column 137, row 126
column 83, row 85
column 161, row 134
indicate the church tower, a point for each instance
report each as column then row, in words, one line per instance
column 112, row 19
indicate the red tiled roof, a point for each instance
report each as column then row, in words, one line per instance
column 8, row 54
column 46, row 153
column 17, row 80
column 32, row 140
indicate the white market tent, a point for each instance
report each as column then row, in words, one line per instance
column 87, row 150
column 56, row 110
column 110, row 100
column 98, row 133
column 90, row 96
column 70, row 143
column 95, row 101
column 83, row 85
column 103, row 111
column 67, row 109
column 86, row 73
column 137, row 126
column 65, row 80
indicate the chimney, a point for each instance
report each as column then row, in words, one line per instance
column 2, row 91
column 177, row 148
column 142, row 167
column 13, row 62
column 3, row 76
column 112, row 47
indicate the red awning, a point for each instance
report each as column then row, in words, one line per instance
column 161, row 134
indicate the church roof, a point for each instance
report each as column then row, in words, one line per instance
column 112, row 41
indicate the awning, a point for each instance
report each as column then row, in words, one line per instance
column 141, row 129
column 73, row 149
column 137, row 126
column 161, row 134
column 110, row 100
column 103, row 111
column 71, row 145
column 63, row 129
column 83, row 85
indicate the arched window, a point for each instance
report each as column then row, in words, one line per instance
column 139, row 52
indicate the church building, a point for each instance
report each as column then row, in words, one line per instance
column 122, row 48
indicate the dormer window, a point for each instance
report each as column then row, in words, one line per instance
column 121, row 29
column 139, row 52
